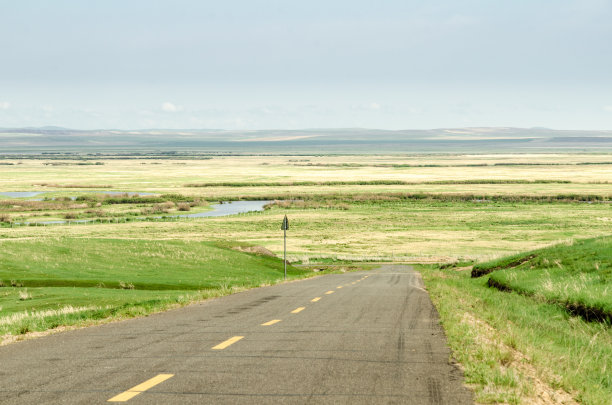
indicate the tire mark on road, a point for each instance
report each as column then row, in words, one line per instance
column 429, row 351
column 434, row 391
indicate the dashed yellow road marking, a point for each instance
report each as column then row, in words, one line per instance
column 315, row 299
column 140, row 388
column 329, row 292
column 227, row 343
column 300, row 309
column 272, row 322
column 339, row 286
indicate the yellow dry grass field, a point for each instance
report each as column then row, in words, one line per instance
column 172, row 175
column 355, row 230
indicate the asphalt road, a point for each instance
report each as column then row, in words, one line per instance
column 370, row 337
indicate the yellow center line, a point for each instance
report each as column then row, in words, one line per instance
column 339, row 286
column 272, row 322
column 315, row 299
column 329, row 292
column 300, row 309
column 140, row 388
column 227, row 343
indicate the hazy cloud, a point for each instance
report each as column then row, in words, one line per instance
column 608, row 108
column 367, row 107
column 5, row 105
column 169, row 107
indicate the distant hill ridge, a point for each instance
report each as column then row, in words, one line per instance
column 324, row 140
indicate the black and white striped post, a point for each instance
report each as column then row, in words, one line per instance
column 284, row 228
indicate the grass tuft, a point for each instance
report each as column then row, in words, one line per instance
column 24, row 295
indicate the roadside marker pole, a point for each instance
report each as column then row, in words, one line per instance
column 284, row 227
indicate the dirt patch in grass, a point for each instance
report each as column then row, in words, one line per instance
column 479, row 271
column 541, row 392
column 8, row 339
column 499, row 286
column 257, row 250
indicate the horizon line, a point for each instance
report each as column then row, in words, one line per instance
column 60, row 128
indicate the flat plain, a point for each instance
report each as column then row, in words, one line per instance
column 489, row 205
column 346, row 211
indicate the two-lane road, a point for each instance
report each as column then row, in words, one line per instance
column 362, row 337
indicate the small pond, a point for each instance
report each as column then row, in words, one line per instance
column 21, row 194
column 229, row 208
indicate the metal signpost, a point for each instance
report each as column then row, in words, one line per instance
column 284, row 227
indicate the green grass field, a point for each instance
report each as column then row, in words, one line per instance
column 49, row 282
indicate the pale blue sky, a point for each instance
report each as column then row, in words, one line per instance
column 286, row 64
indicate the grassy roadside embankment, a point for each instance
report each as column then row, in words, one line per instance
column 578, row 278
column 522, row 345
column 46, row 283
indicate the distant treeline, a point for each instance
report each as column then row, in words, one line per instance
column 370, row 183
